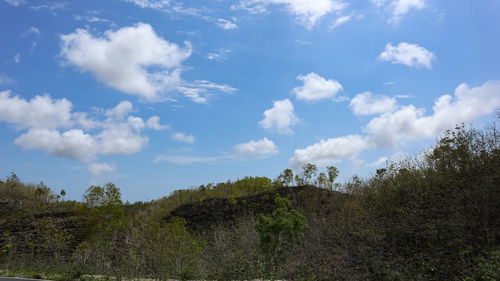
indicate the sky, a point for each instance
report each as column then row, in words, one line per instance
column 158, row 95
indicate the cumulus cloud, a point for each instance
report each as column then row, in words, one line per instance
column 73, row 144
column 259, row 148
column 136, row 61
column 411, row 55
column 316, row 88
column 53, row 127
column 306, row 12
column 226, row 24
column 121, row 59
column 366, row 104
column 281, row 116
column 17, row 58
column 330, row 151
column 154, row 123
column 406, row 123
column 410, row 123
column 182, row 137
column 120, row 111
column 399, row 8
column 98, row 168
column 39, row 112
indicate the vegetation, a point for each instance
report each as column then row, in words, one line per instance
column 433, row 217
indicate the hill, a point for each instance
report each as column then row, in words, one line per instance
column 435, row 217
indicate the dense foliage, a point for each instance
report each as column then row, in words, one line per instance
column 433, row 217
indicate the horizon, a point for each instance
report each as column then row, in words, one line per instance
column 160, row 95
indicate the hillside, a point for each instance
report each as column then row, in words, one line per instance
column 436, row 217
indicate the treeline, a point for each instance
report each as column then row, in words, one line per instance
column 433, row 217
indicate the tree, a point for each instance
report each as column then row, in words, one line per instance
column 309, row 171
column 62, row 194
column 322, row 180
column 333, row 173
column 285, row 178
column 279, row 233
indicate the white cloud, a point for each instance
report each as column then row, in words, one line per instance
column 54, row 128
column 154, row 4
column 399, row 8
column 410, row 123
column 259, row 148
column 367, row 104
column 154, row 123
column 281, row 117
column 226, row 24
column 15, row 3
column 339, row 21
column 73, row 144
column 316, row 88
column 121, row 59
column 120, row 111
column 330, row 151
column 182, row 137
column 411, row 55
column 31, row 30
column 98, row 168
column 91, row 19
column 121, row 138
column 39, row 112
column 51, row 7
column 407, row 123
column 306, row 12
column 200, row 90
column 136, row 61
column 219, row 54
column 17, row 58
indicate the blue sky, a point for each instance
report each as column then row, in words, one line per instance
column 157, row 95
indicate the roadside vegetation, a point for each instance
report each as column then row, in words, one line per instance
column 432, row 217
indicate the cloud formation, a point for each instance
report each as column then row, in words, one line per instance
column 409, row 123
column 15, row 3
column 98, row 168
column 154, row 4
column 329, row 151
column 399, row 8
column 136, row 61
column 259, row 148
column 408, row 54
column 402, row 124
column 316, row 88
column 280, row 117
column 39, row 112
column 53, row 127
column 367, row 104
column 340, row 21
column 121, row 59
column 306, row 12
column 226, row 24
column 182, row 137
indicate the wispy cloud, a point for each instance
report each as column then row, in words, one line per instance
column 218, row 54
column 226, row 24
